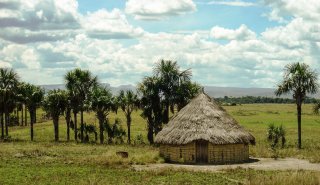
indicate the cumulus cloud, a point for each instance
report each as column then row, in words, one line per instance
column 242, row 33
column 232, row 3
column 243, row 59
column 53, row 20
column 34, row 15
column 105, row 25
column 282, row 10
column 158, row 9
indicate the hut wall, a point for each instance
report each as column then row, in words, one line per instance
column 179, row 153
column 217, row 154
column 230, row 153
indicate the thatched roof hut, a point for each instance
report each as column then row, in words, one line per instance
column 204, row 132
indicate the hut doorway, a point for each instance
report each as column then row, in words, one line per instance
column 201, row 151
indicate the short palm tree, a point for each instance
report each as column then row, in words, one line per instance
column 102, row 102
column 128, row 102
column 150, row 103
column 68, row 113
column 55, row 104
column 80, row 84
column 9, row 81
column 301, row 80
column 33, row 99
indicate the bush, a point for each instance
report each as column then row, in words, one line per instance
column 139, row 139
column 274, row 134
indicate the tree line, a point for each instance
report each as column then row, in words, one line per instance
column 227, row 100
column 168, row 89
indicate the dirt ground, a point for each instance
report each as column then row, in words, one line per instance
column 256, row 163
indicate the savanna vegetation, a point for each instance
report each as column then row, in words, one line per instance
column 36, row 146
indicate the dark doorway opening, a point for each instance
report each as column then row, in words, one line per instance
column 202, row 151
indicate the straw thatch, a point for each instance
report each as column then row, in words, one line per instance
column 203, row 119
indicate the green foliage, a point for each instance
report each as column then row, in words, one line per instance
column 300, row 79
column 169, row 87
column 276, row 134
column 90, row 129
column 55, row 102
column 115, row 131
column 139, row 140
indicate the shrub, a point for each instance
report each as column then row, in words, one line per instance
column 139, row 139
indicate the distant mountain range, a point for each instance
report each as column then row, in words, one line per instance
column 212, row 91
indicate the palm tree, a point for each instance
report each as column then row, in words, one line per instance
column 71, row 83
column 102, row 103
column 170, row 78
column 301, row 80
column 80, row 83
column 33, row 98
column 68, row 113
column 150, row 103
column 8, row 91
column 128, row 101
column 2, row 116
column 55, row 104
column 186, row 91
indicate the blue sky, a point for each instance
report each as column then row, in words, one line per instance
column 231, row 43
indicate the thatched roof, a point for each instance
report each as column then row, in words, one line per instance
column 203, row 119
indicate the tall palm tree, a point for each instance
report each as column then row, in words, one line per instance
column 128, row 102
column 301, row 80
column 170, row 78
column 102, row 103
column 150, row 103
column 80, row 83
column 8, row 90
column 33, row 98
column 55, row 104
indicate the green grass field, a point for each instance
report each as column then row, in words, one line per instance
column 46, row 162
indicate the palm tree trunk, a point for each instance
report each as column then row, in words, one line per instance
column 25, row 115
column 68, row 118
column 75, row 126
column 299, row 124
column 56, row 128
column 22, row 119
column 7, row 121
column 150, row 132
column 35, row 116
column 81, row 126
column 17, row 114
column 31, row 123
column 2, row 126
column 101, row 120
column 166, row 113
column 129, row 125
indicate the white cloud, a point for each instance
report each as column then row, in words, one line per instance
column 284, row 9
column 158, row 9
column 242, row 33
column 105, row 25
column 244, row 59
column 4, row 64
column 232, row 3
column 53, row 20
